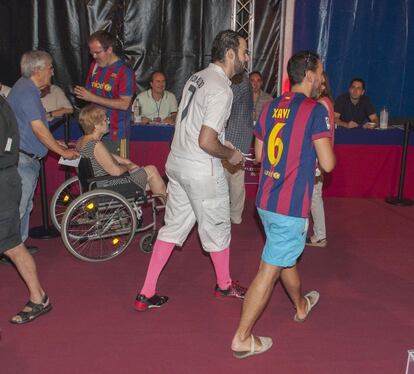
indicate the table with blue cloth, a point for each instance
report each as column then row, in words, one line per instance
column 368, row 163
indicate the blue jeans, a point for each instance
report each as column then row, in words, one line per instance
column 28, row 169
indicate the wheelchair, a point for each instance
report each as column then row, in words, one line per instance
column 98, row 221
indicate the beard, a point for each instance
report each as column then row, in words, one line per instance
column 238, row 66
column 316, row 90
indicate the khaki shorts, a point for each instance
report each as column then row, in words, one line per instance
column 197, row 198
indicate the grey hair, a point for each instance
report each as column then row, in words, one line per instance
column 34, row 60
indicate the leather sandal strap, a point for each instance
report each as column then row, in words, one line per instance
column 23, row 315
column 36, row 308
column 252, row 343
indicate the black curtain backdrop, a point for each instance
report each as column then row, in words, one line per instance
column 174, row 36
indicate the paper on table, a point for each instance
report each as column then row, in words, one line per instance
column 74, row 163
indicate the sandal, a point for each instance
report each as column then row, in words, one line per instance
column 312, row 299
column 266, row 345
column 36, row 311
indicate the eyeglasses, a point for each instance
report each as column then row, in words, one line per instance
column 96, row 53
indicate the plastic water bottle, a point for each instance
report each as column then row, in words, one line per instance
column 137, row 111
column 384, row 118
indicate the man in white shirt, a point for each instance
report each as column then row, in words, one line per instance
column 55, row 102
column 198, row 190
column 157, row 104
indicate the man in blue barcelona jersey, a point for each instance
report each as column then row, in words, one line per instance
column 291, row 132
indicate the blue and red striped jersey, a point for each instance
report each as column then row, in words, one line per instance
column 287, row 126
column 113, row 81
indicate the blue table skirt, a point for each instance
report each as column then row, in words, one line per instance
column 164, row 133
column 138, row 132
column 391, row 136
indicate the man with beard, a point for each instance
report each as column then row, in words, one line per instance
column 111, row 84
column 197, row 189
column 289, row 130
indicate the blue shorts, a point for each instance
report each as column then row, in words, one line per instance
column 285, row 238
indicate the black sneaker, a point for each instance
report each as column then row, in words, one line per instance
column 234, row 290
column 142, row 303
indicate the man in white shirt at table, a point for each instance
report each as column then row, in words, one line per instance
column 157, row 104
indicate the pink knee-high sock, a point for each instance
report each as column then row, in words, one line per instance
column 160, row 255
column 221, row 262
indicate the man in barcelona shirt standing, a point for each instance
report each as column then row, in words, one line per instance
column 289, row 131
column 197, row 187
column 111, row 84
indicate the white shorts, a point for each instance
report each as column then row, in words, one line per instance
column 197, row 195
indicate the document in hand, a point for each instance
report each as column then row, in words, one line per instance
column 74, row 163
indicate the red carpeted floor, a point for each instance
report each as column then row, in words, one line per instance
column 363, row 324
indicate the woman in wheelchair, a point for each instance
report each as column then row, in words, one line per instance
column 95, row 125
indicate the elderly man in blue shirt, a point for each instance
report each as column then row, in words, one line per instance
column 35, row 140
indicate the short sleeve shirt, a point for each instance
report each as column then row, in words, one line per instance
column 288, row 126
column 152, row 109
column 55, row 100
column 358, row 113
column 24, row 98
column 4, row 91
column 206, row 100
column 113, row 81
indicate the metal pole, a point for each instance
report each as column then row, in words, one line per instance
column 399, row 200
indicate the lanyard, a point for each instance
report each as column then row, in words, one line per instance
column 158, row 106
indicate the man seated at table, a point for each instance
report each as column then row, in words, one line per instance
column 157, row 104
column 354, row 109
column 55, row 102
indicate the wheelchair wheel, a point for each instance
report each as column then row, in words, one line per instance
column 63, row 196
column 98, row 226
column 147, row 242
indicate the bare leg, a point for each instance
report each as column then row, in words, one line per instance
column 155, row 181
column 26, row 267
column 254, row 303
column 291, row 281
